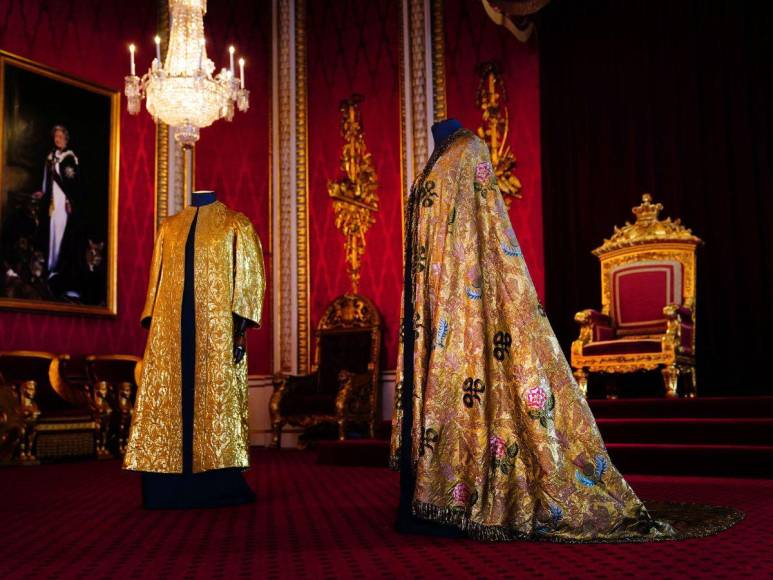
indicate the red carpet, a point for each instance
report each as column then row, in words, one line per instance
column 83, row 520
column 722, row 436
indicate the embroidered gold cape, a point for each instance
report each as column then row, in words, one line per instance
column 229, row 279
column 503, row 443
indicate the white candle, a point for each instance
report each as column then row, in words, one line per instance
column 157, row 40
column 231, row 51
column 131, row 55
column 201, row 56
column 241, row 71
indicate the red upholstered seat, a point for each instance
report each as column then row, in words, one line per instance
column 640, row 291
column 633, row 346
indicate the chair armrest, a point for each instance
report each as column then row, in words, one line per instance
column 294, row 383
column 588, row 321
column 674, row 312
column 354, row 390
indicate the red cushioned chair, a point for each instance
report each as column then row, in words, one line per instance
column 343, row 386
column 647, row 320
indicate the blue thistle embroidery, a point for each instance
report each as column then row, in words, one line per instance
column 474, row 293
column 510, row 250
column 442, row 333
column 601, row 467
column 556, row 513
column 585, row 480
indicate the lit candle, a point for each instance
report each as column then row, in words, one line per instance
column 131, row 55
column 157, row 40
column 231, row 51
column 241, row 71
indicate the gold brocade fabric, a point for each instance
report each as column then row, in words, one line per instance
column 229, row 279
column 503, row 442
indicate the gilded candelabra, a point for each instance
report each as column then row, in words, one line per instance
column 491, row 99
column 354, row 194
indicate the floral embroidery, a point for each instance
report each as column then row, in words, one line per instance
column 556, row 515
column 462, row 494
column 483, row 171
column 442, row 333
column 592, row 473
column 536, row 398
column 475, row 284
column 502, row 455
column 540, row 405
column 511, row 247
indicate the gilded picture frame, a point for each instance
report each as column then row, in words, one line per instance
column 59, row 164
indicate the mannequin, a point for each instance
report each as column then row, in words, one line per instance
column 442, row 130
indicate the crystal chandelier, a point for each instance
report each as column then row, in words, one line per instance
column 183, row 93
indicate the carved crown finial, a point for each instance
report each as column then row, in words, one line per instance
column 647, row 212
column 647, row 229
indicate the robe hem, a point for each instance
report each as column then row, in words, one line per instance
column 724, row 518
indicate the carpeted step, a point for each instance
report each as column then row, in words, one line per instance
column 702, row 460
column 714, row 407
column 700, row 431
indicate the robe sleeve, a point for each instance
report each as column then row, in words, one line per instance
column 155, row 278
column 249, row 277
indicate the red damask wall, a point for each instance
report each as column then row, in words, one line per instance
column 89, row 39
column 353, row 46
column 234, row 158
column 472, row 38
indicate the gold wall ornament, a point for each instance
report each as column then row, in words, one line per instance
column 491, row 99
column 354, row 194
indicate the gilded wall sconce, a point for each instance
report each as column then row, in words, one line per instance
column 354, row 194
column 491, row 99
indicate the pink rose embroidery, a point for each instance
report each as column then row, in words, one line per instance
column 483, row 172
column 497, row 446
column 536, row 398
column 461, row 493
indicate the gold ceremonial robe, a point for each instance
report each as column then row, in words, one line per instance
column 503, row 443
column 229, row 279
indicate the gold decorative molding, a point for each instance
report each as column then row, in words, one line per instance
column 302, row 185
column 491, row 99
column 354, row 194
column 438, row 62
column 418, row 72
column 647, row 229
column 162, row 130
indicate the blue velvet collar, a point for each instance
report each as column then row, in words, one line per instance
column 200, row 198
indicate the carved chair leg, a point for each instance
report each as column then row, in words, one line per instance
column 372, row 428
column 693, row 383
column 670, row 380
column 276, row 435
column 611, row 386
column 581, row 376
column 341, row 429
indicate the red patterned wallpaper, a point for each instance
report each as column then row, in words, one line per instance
column 233, row 158
column 90, row 39
column 353, row 46
column 471, row 38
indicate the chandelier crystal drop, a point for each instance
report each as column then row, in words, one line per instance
column 183, row 93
